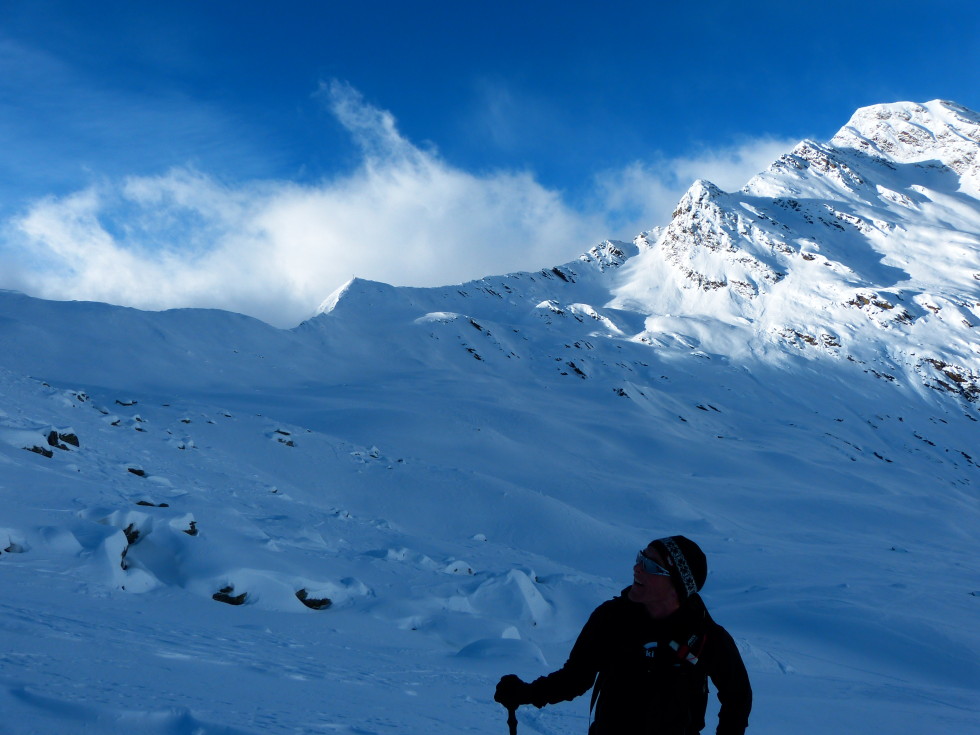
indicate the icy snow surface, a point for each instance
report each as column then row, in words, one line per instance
column 787, row 374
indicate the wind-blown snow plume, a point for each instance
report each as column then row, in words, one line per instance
column 274, row 249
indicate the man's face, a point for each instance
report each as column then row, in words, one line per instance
column 652, row 588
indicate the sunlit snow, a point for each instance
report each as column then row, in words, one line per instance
column 420, row 490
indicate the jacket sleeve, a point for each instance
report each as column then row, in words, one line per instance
column 578, row 674
column 727, row 672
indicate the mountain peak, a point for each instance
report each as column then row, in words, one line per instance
column 908, row 132
column 701, row 191
column 863, row 247
column 330, row 303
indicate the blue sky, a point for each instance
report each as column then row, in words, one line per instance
column 254, row 156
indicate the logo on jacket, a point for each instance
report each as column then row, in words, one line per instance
column 688, row 652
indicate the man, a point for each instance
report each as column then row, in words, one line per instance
column 649, row 654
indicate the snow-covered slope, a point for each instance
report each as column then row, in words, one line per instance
column 787, row 374
column 863, row 248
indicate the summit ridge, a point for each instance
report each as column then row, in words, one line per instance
column 863, row 249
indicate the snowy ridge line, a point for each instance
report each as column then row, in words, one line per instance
column 786, row 374
column 834, row 253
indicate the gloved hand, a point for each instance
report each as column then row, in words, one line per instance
column 512, row 691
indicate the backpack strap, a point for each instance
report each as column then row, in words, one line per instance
column 595, row 695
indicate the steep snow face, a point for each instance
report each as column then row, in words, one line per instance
column 864, row 248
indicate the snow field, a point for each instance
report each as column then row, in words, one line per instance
column 359, row 525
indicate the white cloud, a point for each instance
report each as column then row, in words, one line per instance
column 644, row 194
column 275, row 250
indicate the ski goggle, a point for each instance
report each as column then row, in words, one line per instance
column 650, row 566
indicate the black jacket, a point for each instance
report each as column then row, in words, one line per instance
column 651, row 675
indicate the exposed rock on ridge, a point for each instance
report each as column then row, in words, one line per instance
column 865, row 246
column 862, row 249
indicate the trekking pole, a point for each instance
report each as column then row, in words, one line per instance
column 512, row 720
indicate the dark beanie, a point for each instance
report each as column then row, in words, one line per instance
column 686, row 563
